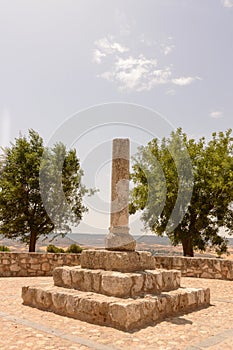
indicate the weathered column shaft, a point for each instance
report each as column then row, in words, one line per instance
column 119, row 237
column 120, row 184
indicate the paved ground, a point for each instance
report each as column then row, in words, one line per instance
column 22, row 327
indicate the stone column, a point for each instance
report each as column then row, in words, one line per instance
column 119, row 237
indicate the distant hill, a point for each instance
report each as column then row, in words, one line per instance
column 97, row 240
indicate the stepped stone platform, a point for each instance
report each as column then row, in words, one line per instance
column 117, row 289
column 118, row 284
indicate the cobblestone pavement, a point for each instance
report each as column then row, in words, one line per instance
column 23, row 327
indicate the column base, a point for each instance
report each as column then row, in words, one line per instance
column 119, row 239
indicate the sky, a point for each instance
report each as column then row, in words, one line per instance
column 61, row 58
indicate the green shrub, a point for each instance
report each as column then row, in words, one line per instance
column 4, row 248
column 74, row 248
column 51, row 248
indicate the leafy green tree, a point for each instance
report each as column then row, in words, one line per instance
column 40, row 190
column 166, row 173
column 74, row 248
column 4, row 248
column 53, row 249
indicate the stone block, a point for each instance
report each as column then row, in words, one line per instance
column 23, row 261
column 15, row 268
column 6, row 262
column 117, row 261
column 35, row 267
column 45, row 266
column 117, row 284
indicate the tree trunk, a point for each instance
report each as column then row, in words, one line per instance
column 187, row 247
column 32, row 244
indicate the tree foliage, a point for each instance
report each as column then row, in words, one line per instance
column 40, row 190
column 164, row 175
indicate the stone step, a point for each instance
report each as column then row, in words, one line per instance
column 114, row 283
column 117, row 261
column 125, row 314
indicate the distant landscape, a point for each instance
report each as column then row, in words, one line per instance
column 98, row 239
column 156, row 245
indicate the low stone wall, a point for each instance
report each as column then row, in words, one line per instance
column 197, row 267
column 34, row 264
column 43, row 264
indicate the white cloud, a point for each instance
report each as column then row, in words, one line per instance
column 216, row 114
column 142, row 74
column 137, row 73
column 227, row 3
column 140, row 61
column 168, row 49
column 183, row 81
column 167, row 46
column 108, row 46
column 97, row 56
